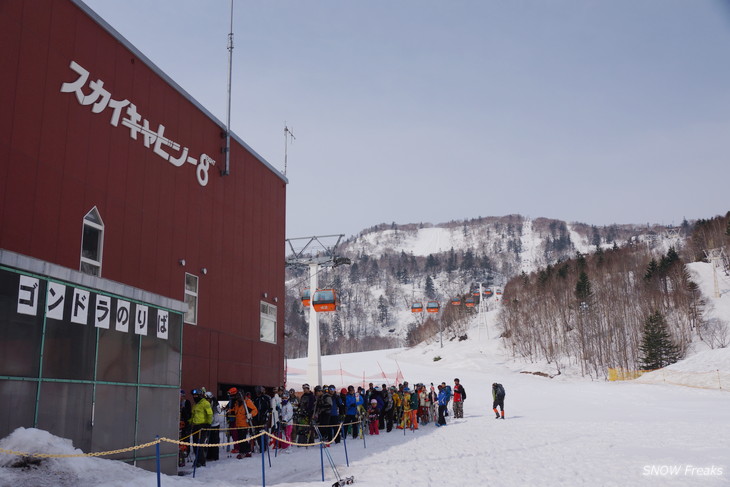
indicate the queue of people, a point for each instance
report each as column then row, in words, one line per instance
column 319, row 414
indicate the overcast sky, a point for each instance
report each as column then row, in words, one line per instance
column 610, row 111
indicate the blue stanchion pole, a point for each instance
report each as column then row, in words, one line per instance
column 263, row 465
column 344, row 443
column 321, row 458
column 265, row 440
column 157, row 453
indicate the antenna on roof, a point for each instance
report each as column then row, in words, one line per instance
column 227, row 169
column 288, row 135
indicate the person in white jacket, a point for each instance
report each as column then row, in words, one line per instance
column 286, row 419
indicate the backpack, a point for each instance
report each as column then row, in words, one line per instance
column 500, row 390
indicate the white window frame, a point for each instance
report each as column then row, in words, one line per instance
column 268, row 327
column 88, row 221
column 192, row 295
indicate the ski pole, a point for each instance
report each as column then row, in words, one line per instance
column 263, row 466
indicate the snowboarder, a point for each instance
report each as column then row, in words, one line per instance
column 498, row 394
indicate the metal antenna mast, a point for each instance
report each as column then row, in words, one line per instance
column 227, row 169
column 288, row 133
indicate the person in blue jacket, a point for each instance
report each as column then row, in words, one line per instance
column 352, row 401
column 335, row 413
column 443, row 400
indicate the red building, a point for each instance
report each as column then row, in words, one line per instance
column 108, row 169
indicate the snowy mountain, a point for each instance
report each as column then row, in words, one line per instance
column 394, row 266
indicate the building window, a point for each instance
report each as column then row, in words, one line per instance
column 191, row 299
column 92, row 243
column 268, row 322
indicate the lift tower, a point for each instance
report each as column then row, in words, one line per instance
column 314, row 253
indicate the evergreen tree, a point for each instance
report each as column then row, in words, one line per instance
column 651, row 269
column 430, row 290
column 583, row 290
column 451, row 262
column 467, row 262
column 657, row 348
column 383, row 310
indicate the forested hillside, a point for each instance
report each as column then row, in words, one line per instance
column 537, row 261
column 595, row 310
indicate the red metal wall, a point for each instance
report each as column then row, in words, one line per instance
column 58, row 160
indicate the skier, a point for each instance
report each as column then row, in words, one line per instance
column 244, row 411
column 287, row 414
column 443, row 401
column 352, row 402
column 498, row 394
column 459, row 398
column 323, row 411
column 389, row 409
column 202, row 416
column 214, row 436
column 374, row 417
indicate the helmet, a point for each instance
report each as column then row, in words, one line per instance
column 373, row 401
column 343, row 391
column 406, row 389
column 285, row 395
column 260, row 389
column 209, row 395
column 182, row 392
column 195, row 392
column 377, row 388
column 332, row 388
column 232, row 391
column 317, row 388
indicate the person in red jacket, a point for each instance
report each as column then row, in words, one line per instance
column 459, row 398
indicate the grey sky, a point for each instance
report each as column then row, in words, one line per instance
column 426, row 111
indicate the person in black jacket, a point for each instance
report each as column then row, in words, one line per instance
column 459, row 398
column 498, row 394
column 323, row 411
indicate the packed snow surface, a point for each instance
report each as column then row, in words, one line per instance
column 565, row 431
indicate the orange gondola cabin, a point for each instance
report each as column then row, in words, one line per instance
column 324, row 300
column 469, row 302
column 433, row 307
column 417, row 308
column 456, row 301
column 306, row 298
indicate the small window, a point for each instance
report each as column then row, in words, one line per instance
column 92, row 243
column 268, row 322
column 191, row 298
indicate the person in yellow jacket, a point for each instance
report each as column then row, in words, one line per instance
column 407, row 408
column 202, row 416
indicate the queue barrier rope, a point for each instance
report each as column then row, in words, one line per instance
column 179, row 442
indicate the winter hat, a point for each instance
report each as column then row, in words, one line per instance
column 343, row 391
column 373, row 401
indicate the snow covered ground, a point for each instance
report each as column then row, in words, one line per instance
column 564, row 431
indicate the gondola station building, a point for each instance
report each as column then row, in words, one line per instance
column 133, row 260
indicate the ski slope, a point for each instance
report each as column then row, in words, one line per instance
column 564, row 431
